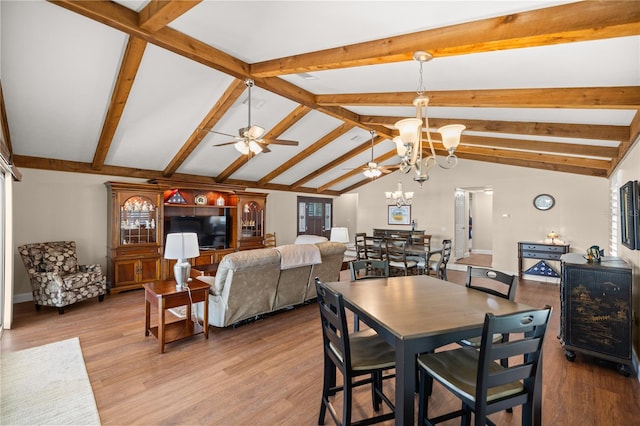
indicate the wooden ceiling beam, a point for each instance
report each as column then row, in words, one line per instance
column 131, row 60
column 279, row 187
column 621, row 97
column 305, row 153
column 159, row 13
column 627, row 143
column 538, row 146
column 228, row 98
column 580, row 21
column 566, row 130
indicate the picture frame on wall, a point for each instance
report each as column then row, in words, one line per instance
column 399, row 215
column 629, row 226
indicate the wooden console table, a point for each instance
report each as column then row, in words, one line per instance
column 165, row 295
column 540, row 251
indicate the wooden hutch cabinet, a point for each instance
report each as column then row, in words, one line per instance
column 225, row 218
column 250, row 228
column 134, row 235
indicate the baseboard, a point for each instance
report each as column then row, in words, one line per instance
column 478, row 251
column 22, row 297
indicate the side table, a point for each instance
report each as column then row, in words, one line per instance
column 165, row 295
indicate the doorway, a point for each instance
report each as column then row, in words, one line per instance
column 315, row 216
column 474, row 226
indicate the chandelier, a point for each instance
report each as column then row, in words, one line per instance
column 399, row 197
column 409, row 143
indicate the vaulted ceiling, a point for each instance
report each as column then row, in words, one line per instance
column 132, row 88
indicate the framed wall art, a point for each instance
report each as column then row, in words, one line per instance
column 399, row 215
column 629, row 232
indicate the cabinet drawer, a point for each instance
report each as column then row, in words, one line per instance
column 137, row 251
column 544, row 248
column 541, row 255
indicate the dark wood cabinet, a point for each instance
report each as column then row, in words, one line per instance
column 251, row 220
column 596, row 309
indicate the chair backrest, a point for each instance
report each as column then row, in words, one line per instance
column 270, row 240
column 361, row 252
column 368, row 269
column 500, row 284
column 396, row 249
column 335, row 334
column 54, row 256
column 421, row 240
column 523, row 351
column 446, row 251
column 374, row 247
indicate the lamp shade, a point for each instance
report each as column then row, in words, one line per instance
column 181, row 246
column 339, row 234
column 409, row 130
column 451, row 135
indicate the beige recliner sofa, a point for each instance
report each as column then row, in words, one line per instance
column 250, row 283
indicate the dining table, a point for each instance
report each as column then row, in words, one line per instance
column 418, row 314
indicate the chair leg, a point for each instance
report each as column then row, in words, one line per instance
column 329, row 381
column 346, row 402
column 356, row 322
column 101, row 298
column 38, row 307
column 423, row 397
column 60, row 311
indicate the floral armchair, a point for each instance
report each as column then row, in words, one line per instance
column 57, row 279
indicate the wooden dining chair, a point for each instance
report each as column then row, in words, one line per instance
column 423, row 242
column 361, row 252
column 437, row 261
column 397, row 255
column 479, row 381
column 374, row 247
column 363, row 353
column 498, row 284
column 367, row 269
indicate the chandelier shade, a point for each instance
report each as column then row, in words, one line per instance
column 399, row 197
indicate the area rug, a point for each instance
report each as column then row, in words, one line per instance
column 47, row 385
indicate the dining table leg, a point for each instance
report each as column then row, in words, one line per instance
column 405, row 383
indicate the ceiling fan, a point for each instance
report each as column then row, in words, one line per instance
column 372, row 169
column 249, row 141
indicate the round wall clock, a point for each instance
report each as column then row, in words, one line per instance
column 201, row 199
column 544, row 202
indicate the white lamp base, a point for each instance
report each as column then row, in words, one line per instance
column 181, row 272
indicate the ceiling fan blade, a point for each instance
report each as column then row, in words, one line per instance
column 226, row 143
column 264, row 146
column 280, row 142
column 224, row 134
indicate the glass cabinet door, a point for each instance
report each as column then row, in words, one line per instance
column 251, row 220
column 138, row 221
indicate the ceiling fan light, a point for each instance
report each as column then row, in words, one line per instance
column 255, row 132
column 410, row 129
column 242, row 147
column 255, row 148
column 451, row 136
column 372, row 173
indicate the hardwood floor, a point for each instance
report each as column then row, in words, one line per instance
column 269, row 372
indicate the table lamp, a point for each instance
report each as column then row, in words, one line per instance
column 552, row 235
column 181, row 246
column 339, row 234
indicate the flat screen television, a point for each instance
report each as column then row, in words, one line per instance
column 212, row 231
